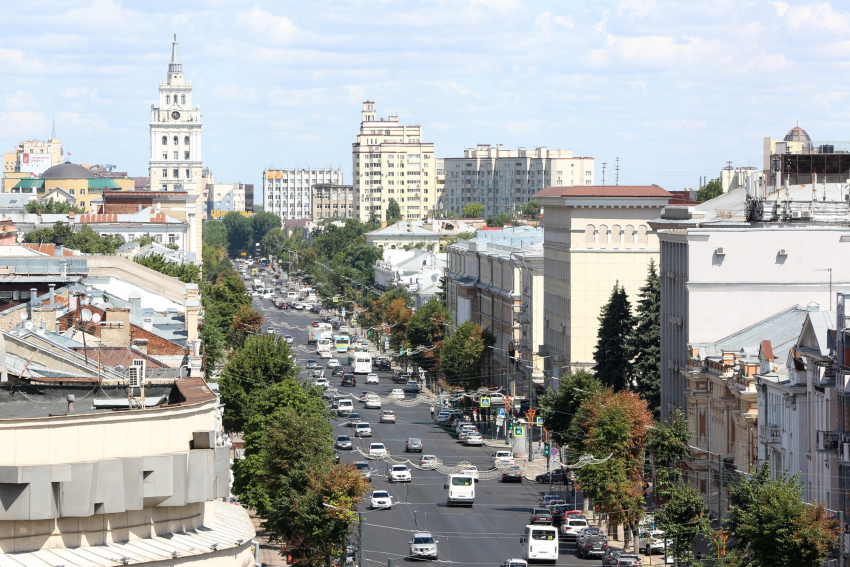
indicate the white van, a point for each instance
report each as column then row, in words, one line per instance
column 540, row 543
column 345, row 407
column 461, row 490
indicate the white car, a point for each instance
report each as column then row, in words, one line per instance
column 381, row 500
column 320, row 382
column 325, row 353
column 473, row 439
column 570, row 527
column 399, row 473
column 387, row 416
column 466, row 431
column 470, row 470
column 397, row 394
column 333, row 363
column 362, row 430
column 371, row 378
column 373, row 402
column 428, row 461
column 287, row 338
column 504, row 458
column 377, row 450
column 653, row 541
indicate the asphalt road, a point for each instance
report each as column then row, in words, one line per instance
column 486, row 534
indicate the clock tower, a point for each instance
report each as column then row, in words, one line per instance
column 175, row 158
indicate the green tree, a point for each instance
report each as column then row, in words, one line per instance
column 557, row 408
column 683, row 518
column 710, row 190
column 393, row 211
column 84, row 238
column 262, row 222
column 51, row 207
column 613, row 361
column 240, row 233
column 668, row 443
column 473, row 210
column 215, row 261
column 426, row 328
column 531, row 209
column 245, row 322
column 263, row 361
column 362, row 258
column 273, row 243
column 215, row 233
column 775, row 527
column 499, row 220
column 186, row 273
column 463, row 354
column 645, row 344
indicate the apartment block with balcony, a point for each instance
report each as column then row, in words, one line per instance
column 505, row 180
column 288, row 192
column 390, row 161
column 331, row 201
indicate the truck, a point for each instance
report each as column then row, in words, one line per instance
column 320, row 331
column 258, row 284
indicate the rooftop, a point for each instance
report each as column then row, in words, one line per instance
column 604, row 191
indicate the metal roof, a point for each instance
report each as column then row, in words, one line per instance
column 604, row 191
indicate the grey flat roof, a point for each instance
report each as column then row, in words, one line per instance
column 28, row 401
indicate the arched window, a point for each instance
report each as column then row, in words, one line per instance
column 167, row 99
column 630, row 236
column 182, row 99
column 603, row 234
column 642, row 234
column 186, row 141
column 589, row 234
column 175, row 141
column 616, row 234
column 164, row 140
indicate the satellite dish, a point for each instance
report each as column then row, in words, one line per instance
column 28, row 325
column 23, row 315
column 96, row 317
column 86, row 315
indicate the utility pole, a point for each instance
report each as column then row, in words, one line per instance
column 617, row 172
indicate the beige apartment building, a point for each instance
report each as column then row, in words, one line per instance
column 594, row 237
column 390, row 161
column 330, row 201
column 34, row 156
column 504, row 180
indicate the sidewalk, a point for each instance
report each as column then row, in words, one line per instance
column 595, row 520
column 269, row 552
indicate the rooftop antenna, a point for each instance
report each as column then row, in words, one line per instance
column 54, row 128
column 603, row 172
column 617, row 172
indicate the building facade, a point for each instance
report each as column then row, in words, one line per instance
column 34, row 156
column 504, row 180
column 288, row 192
column 432, row 235
column 331, row 201
column 391, row 161
column 595, row 237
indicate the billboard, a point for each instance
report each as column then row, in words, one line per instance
column 35, row 163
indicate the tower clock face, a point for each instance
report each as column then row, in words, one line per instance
column 175, row 115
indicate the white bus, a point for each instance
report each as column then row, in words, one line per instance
column 540, row 543
column 461, row 490
column 323, row 346
column 362, row 363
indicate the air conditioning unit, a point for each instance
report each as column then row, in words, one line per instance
column 720, row 251
column 783, row 252
column 796, row 214
column 136, row 373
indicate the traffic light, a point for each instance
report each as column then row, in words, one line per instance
column 546, row 449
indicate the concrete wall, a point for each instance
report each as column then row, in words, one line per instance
column 116, row 266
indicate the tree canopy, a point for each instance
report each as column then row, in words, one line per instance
column 558, row 408
column 463, row 354
column 51, row 207
column 393, row 211
column 215, row 233
column 84, row 238
column 645, row 343
column 473, row 210
column 613, row 359
column 710, row 190
column 240, row 233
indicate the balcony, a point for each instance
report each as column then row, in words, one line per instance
column 827, row 441
column 844, row 453
column 771, row 434
column 825, row 380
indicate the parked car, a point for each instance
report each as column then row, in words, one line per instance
column 343, row 442
column 473, row 438
column 558, row 477
column 414, row 444
column 362, row 430
column 653, row 541
column 541, row 516
column 399, row 473
column 512, row 474
column 387, row 416
column 380, row 500
column 591, row 542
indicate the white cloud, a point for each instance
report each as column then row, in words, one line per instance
column 450, row 86
column 635, row 8
column 21, row 124
column 87, row 123
column 277, row 29
column 813, row 16
column 781, row 8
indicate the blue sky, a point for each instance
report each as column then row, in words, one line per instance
column 674, row 89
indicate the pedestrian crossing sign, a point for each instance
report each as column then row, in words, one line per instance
column 485, row 402
column 519, row 431
column 336, row 299
column 539, row 422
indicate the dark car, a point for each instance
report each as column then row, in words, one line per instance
column 338, row 371
column 349, row 380
column 413, row 444
column 383, row 364
column 311, row 363
column 558, row 477
column 591, row 542
column 401, row 377
column 512, row 474
column 541, row 516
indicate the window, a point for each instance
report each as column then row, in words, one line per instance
column 164, row 155
column 164, row 174
column 186, row 155
column 164, row 140
column 182, row 99
column 82, row 191
column 175, row 155
column 176, row 174
column 175, row 140
column 186, row 141
column 71, row 191
column 172, row 239
column 167, row 99
column 187, row 174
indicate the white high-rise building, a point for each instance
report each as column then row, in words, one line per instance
column 504, row 180
column 391, row 162
column 175, row 127
column 286, row 192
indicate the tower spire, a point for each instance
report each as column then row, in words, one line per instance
column 54, row 129
column 175, row 66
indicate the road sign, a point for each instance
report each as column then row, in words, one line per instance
column 554, row 451
column 386, row 343
column 500, row 420
column 501, row 412
column 519, row 431
column 539, row 422
column 484, row 402
column 409, row 352
column 343, row 311
column 336, row 299
column 354, row 322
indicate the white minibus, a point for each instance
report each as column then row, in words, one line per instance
column 540, row 543
column 460, row 490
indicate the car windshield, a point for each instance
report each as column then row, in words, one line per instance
column 541, row 511
column 543, row 535
column 423, row 540
column 361, row 466
column 381, row 494
column 343, row 438
column 578, row 523
column 362, row 426
column 413, row 441
column 376, row 446
column 461, row 481
column 399, row 468
column 354, row 416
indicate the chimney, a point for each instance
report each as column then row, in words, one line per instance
column 52, row 295
column 33, row 295
column 115, row 330
column 192, row 304
column 140, row 207
column 141, row 345
column 70, row 399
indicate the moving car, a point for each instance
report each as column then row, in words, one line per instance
column 387, row 416
column 591, row 542
column 353, row 418
column 344, row 407
column 552, row 500
column 363, row 468
column 503, row 458
column 373, row 402
column 362, row 430
column 512, row 474
column 515, row 563
column 288, row 338
column 397, row 394
column 311, row 363
column 399, row 473
column 348, row 380
column 443, row 416
column 380, row 500
column 363, row 395
column 377, row 450
column 558, row 477
column 541, row 516
column 571, row 526
column 319, row 382
column 428, row 461
column 338, row 371
column 622, row 558
column 471, row 470
column 412, row 386
column 371, row 378
column 414, row 444
column 332, row 363
column 653, row 541
column 473, row 438
column 343, row 442
column 423, row 546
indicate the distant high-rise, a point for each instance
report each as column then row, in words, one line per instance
column 391, row 162
column 287, row 192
